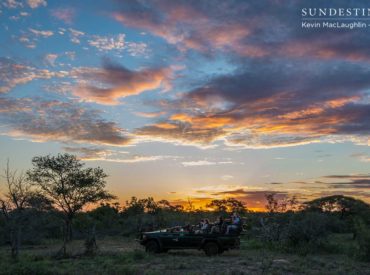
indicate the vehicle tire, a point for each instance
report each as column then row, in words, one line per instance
column 152, row 247
column 211, row 249
column 164, row 250
column 220, row 251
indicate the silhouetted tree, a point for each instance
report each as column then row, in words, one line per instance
column 218, row 205
column 275, row 205
column 167, row 206
column 14, row 202
column 347, row 208
column 190, row 206
column 338, row 203
column 164, row 205
column 228, row 205
column 68, row 185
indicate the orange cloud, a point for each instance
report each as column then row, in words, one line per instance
column 203, row 121
column 247, row 127
column 108, row 85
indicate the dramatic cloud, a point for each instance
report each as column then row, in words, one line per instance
column 254, row 29
column 291, row 86
column 190, row 24
column 58, row 121
column 217, row 74
column 260, row 106
column 108, row 85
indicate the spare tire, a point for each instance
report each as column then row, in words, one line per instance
column 211, row 249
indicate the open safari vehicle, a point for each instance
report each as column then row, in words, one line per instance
column 212, row 243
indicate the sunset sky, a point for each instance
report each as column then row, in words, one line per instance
column 189, row 99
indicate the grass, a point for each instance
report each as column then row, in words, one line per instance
column 124, row 256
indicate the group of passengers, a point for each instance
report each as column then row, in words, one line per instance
column 221, row 226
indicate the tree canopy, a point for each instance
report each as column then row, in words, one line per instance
column 66, row 183
column 228, row 205
column 338, row 203
column 68, row 186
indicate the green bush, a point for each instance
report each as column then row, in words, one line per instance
column 306, row 228
column 363, row 239
column 272, row 227
column 303, row 231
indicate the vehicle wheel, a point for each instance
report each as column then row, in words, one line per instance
column 152, row 247
column 220, row 251
column 211, row 249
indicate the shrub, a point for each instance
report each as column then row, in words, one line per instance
column 306, row 228
column 301, row 231
column 363, row 239
column 272, row 227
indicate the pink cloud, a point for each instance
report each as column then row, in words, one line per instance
column 189, row 28
column 108, row 85
column 64, row 14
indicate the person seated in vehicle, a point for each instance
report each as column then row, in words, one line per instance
column 205, row 226
column 175, row 229
column 217, row 226
column 198, row 227
column 188, row 228
column 235, row 224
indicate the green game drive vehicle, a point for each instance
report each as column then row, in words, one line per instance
column 173, row 238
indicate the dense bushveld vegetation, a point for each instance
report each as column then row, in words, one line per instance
column 47, row 203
